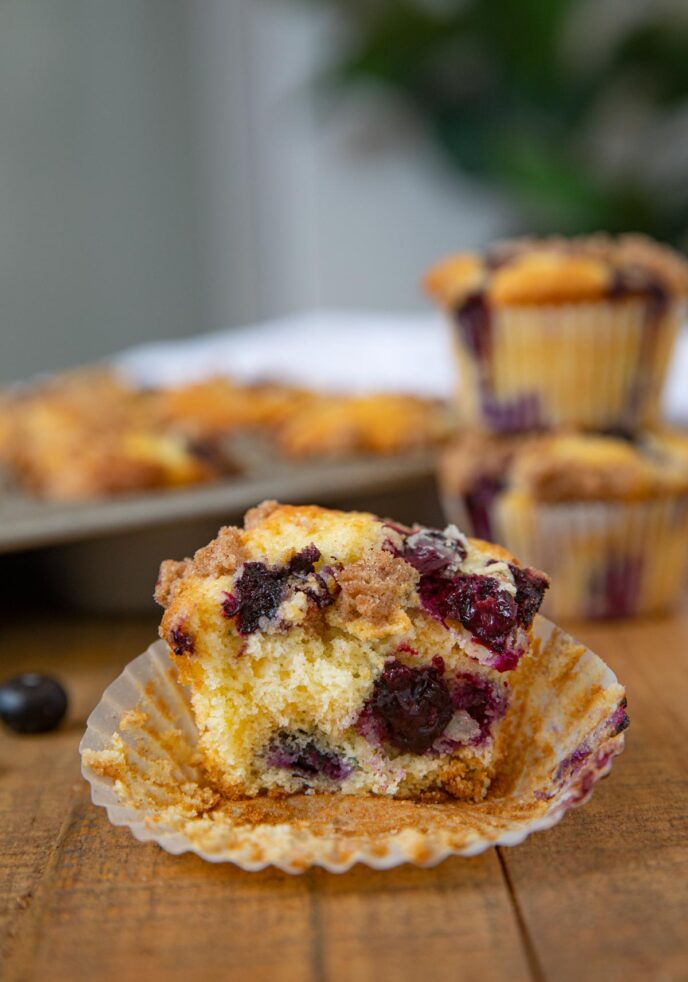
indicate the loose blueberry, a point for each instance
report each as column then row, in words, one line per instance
column 32, row 703
column 413, row 705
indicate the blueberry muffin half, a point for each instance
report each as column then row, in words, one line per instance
column 335, row 651
column 555, row 332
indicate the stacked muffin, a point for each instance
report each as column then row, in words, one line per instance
column 563, row 348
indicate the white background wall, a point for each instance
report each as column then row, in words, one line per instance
column 165, row 169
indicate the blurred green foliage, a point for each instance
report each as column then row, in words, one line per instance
column 578, row 111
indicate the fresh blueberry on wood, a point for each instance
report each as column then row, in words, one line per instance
column 32, row 703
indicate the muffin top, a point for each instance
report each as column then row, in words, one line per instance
column 522, row 272
column 569, row 467
column 322, row 570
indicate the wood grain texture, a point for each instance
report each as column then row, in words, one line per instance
column 606, row 892
column 603, row 895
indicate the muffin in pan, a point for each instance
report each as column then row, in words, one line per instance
column 381, row 423
column 606, row 515
column 89, row 434
column 334, row 651
column 92, row 434
column 559, row 332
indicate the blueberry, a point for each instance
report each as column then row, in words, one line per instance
column 430, row 551
column 301, row 755
column 180, row 642
column 475, row 325
column 488, row 611
column 413, row 706
column 478, row 602
column 260, row 588
column 258, row 594
column 530, row 589
column 32, row 703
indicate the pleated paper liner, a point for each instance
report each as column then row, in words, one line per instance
column 594, row 365
column 605, row 559
column 139, row 754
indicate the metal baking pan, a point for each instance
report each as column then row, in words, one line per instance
column 104, row 555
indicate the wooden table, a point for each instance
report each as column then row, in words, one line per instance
column 602, row 896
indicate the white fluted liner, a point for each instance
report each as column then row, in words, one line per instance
column 595, row 365
column 143, row 769
column 605, row 559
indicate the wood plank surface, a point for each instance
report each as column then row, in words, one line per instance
column 605, row 893
column 602, row 895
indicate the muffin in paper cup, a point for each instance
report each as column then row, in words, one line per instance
column 140, row 756
column 607, row 517
column 563, row 332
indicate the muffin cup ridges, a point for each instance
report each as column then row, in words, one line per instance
column 139, row 754
column 597, row 365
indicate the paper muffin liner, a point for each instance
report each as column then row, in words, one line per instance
column 139, row 754
column 605, row 559
column 594, row 365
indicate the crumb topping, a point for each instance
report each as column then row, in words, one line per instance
column 256, row 516
column 223, row 555
column 172, row 573
column 375, row 587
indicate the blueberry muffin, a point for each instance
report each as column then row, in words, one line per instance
column 337, row 652
column 606, row 515
column 563, row 332
column 381, row 423
column 220, row 406
column 89, row 434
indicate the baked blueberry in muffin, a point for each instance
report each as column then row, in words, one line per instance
column 336, row 651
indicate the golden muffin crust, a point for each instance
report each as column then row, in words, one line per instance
column 382, row 423
column 524, row 272
column 221, row 405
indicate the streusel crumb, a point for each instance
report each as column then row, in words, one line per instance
column 256, row 516
column 374, row 587
column 223, row 555
column 172, row 573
